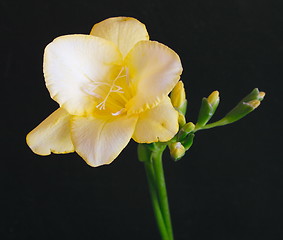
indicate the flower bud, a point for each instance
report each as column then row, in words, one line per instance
column 185, row 130
column 181, row 119
column 188, row 141
column 241, row 110
column 245, row 106
column 213, row 98
column 254, row 95
column 177, row 150
column 178, row 97
column 208, row 108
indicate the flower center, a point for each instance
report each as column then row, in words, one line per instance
column 113, row 88
column 112, row 94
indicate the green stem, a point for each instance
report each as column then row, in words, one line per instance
column 219, row 123
column 152, row 158
column 161, row 189
column 155, row 202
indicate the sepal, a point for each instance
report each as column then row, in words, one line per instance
column 188, row 141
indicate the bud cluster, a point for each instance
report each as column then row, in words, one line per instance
column 184, row 138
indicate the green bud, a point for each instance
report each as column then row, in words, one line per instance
column 254, row 95
column 177, row 150
column 185, row 130
column 241, row 110
column 188, row 141
column 208, row 108
column 213, row 100
column 245, row 106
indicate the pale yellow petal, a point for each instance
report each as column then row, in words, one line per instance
column 100, row 141
column 154, row 69
column 72, row 63
column 52, row 135
column 157, row 124
column 125, row 32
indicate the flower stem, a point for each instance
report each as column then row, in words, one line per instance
column 157, row 187
column 155, row 202
column 162, row 192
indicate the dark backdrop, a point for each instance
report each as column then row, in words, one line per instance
column 229, row 186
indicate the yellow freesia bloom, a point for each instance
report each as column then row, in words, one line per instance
column 111, row 85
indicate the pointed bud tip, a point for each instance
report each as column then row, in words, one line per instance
column 213, row 97
column 181, row 119
column 178, row 95
column 261, row 95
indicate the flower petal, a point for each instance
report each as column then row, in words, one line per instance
column 125, row 32
column 154, row 69
column 72, row 63
column 52, row 135
column 100, row 141
column 157, row 124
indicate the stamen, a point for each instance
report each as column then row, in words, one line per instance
column 118, row 90
column 102, row 105
column 89, row 89
column 119, row 112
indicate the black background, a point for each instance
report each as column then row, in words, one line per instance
column 229, row 186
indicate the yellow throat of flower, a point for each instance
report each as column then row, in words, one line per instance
column 112, row 93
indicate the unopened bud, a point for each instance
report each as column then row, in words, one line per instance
column 245, row 106
column 185, row 130
column 213, row 98
column 241, row 110
column 177, row 150
column 178, row 97
column 208, row 108
column 188, row 141
column 188, row 127
column 181, row 119
column 254, row 95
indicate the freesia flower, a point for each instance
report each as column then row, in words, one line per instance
column 111, row 85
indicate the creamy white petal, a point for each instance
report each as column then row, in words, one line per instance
column 52, row 135
column 157, row 124
column 125, row 32
column 100, row 141
column 154, row 69
column 72, row 63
